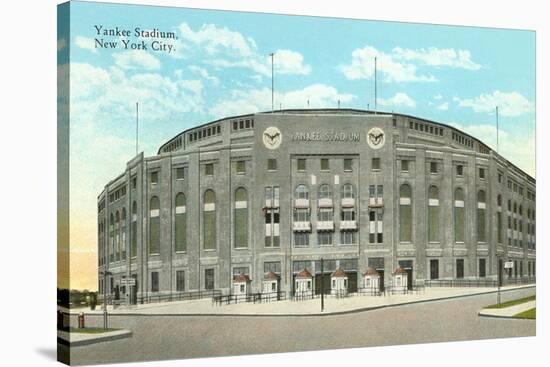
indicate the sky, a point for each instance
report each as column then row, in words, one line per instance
column 218, row 65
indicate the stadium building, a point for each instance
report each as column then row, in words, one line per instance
column 256, row 201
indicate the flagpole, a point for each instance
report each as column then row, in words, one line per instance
column 375, row 87
column 272, row 83
column 497, row 126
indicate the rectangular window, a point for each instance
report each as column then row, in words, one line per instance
column 324, row 238
column 301, row 163
column 301, row 239
column 482, row 268
column 271, row 164
column 241, row 227
column 433, row 167
column 404, row 165
column 154, row 281
column 500, row 178
column 208, row 279
column 376, row 163
column 209, row 169
column 459, row 268
column 348, row 164
column 134, row 183
column 154, row 178
column 273, row 266
column 482, row 173
column 459, row 170
column 241, row 167
column 325, row 164
column 179, row 173
column 180, row 280
column 348, row 237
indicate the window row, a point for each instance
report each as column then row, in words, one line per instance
column 204, row 133
column 325, row 163
column 422, row 127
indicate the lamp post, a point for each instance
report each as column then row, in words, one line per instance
column 322, row 286
column 105, row 274
column 499, row 278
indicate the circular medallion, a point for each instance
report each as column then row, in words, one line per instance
column 272, row 137
column 376, row 138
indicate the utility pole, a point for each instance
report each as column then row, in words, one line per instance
column 137, row 126
column 497, row 126
column 272, row 82
column 322, row 286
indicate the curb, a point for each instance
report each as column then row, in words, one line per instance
column 110, row 336
column 490, row 316
column 336, row 313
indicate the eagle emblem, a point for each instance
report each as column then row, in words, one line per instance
column 376, row 138
column 272, row 137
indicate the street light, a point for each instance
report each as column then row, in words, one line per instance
column 499, row 276
column 105, row 273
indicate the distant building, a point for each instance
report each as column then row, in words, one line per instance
column 273, row 193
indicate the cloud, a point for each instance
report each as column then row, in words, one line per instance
column 362, row 67
column 401, row 65
column 215, row 40
column 290, row 62
column 225, row 48
column 433, row 56
column 444, row 106
column 518, row 146
column 135, row 59
column 398, row 100
column 509, row 104
column 85, row 43
column 438, row 97
column 319, row 96
column 204, row 74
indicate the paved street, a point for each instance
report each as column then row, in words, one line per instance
column 171, row 337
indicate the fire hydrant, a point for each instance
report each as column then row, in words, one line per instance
column 81, row 320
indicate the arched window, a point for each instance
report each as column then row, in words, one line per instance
column 111, row 238
column 459, row 215
column 433, row 214
column 325, row 192
column 241, row 218
column 405, row 213
column 481, row 205
column 117, row 236
column 154, row 226
column 209, row 216
column 180, row 223
column 123, row 234
column 301, row 192
column 347, row 191
column 133, row 245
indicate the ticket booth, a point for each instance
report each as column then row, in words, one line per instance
column 304, row 284
column 241, row 284
column 339, row 283
column 270, row 285
column 371, row 281
column 400, row 278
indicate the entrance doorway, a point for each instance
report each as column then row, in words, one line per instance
column 408, row 266
column 434, row 269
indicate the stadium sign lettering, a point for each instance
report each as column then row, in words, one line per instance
column 326, row 136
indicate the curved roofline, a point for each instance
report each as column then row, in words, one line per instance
column 355, row 110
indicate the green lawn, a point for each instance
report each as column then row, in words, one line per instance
column 529, row 314
column 90, row 330
column 513, row 303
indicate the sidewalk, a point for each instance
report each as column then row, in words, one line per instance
column 507, row 311
column 76, row 339
column 301, row 308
